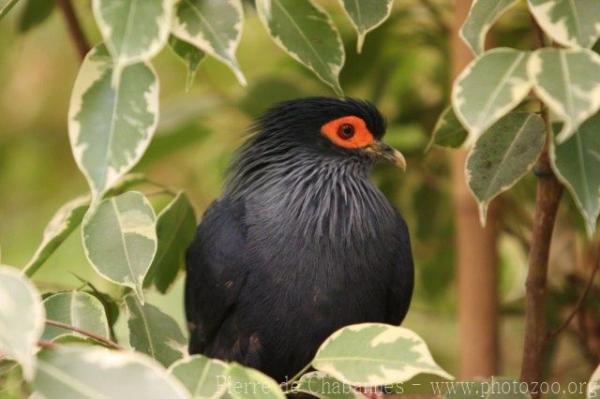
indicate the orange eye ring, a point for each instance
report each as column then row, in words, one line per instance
column 348, row 132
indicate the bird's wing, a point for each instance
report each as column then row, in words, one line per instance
column 215, row 263
column 401, row 285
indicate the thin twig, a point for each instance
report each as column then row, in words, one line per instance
column 580, row 301
column 46, row 344
column 4, row 10
column 77, row 34
column 96, row 337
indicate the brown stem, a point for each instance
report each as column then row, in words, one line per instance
column 96, row 337
column 46, row 344
column 580, row 301
column 549, row 191
column 77, row 35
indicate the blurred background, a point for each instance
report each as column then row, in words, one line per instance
column 405, row 69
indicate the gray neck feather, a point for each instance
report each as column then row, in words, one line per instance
column 289, row 190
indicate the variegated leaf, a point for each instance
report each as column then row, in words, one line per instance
column 203, row 377
column 489, row 88
column 110, row 127
column 568, row 81
column 247, row 383
column 133, row 30
column 503, row 155
column 175, row 229
column 305, row 31
column 191, row 55
column 372, row 354
column 324, row 386
column 77, row 309
column 448, row 131
column 572, row 23
column 83, row 371
column 61, row 225
column 576, row 163
column 483, row 14
column 214, row 26
column 21, row 319
column 593, row 386
column 119, row 239
column 153, row 332
column 366, row 15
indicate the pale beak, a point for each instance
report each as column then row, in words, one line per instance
column 390, row 154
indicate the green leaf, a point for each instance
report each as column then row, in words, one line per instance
column 372, row 354
column 133, row 30
column 62, row 224
column 119, row 239
column 203, row 377
column 366, row 16
column 247, row 383
column 323, row 386
column 576, row 163
column 489, row 88
column 111, row 126
column 568, row 81
column 482, row 15
column 35, row 12
column 503, row 155
column 175, row 229
column 305, row 31
column 493, row 388
column 153, row 332
column 214, row 26
column 448, row 131
column 78, row 371
column 593, row 387
column 21, row 319
column 190, row 55
column 572, row 23
column 77, row 309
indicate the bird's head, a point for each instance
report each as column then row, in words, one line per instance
column 326, row 127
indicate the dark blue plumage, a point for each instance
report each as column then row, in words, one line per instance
column 299, row 244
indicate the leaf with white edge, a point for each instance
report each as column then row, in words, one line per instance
column 372, row 354
column 190, row 55
column 78, row 371
column 203, row 377
column 366, row 16
column 568, row 81
column 247, row 383
column 324, row 386
column 119, row 239
column 306, row 32
column 214, row 26
column 576, row 163
column 448, row 131
column 503, row 155
column 21, row 319
column 482, row 15
column 175, row 229
column 153, row 332
column 110, row 127
column 133, row 30
column 593, row 386
column 493, row 388
column 572, row 23
column 489, row 88
column 77, row 309
column 62, row 224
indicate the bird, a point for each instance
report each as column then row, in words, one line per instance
column 301, row 242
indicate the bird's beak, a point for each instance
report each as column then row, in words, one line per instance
column 390, row 154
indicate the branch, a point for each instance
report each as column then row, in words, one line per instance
column 580, row 301
column 88, row 334
column 46, row 344
column 77, row 34
column 7, row 7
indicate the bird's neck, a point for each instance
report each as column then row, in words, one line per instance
column 307, row 196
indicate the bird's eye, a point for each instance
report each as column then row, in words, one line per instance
column 346, row 131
